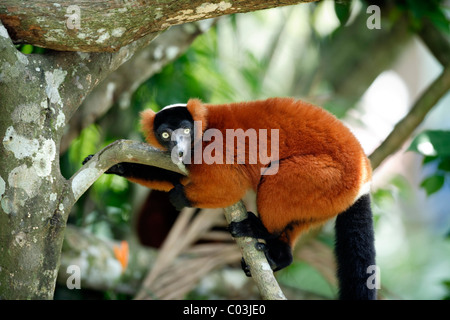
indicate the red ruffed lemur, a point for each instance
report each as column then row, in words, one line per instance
column 316, row 171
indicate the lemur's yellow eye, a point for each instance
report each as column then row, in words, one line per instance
column 187, row 131
column 165, row 135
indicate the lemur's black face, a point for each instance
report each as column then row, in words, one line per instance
column 174, row 129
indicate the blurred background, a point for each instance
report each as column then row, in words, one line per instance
column 326, row 53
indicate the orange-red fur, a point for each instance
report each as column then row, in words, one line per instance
column 157, row 185
column 322, row 165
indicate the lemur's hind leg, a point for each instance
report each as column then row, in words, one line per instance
column 277, row 252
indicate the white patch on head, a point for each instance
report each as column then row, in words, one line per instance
column 174, row 105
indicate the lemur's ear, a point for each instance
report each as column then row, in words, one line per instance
column 147, row 120
column 199, row 113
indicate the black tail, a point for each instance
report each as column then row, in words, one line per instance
column 355, row 252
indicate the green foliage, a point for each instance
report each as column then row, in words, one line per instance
column 303, row 276
column 87, row 143
column 429, row 10
column 432, row 143
column 433, row 183
column 447, row 287
column 196, row 74
column 343, row 11
column 398, row 187
column 28, row 48
column 434, row 146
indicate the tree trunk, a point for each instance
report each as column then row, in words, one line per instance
column 32, row 217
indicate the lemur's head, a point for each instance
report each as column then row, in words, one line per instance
column 173, row 128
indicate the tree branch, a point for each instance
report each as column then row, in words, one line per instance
column 405, row 127
column 438, row 43
column 256, row 260
column 116, row 152
column 107, row 25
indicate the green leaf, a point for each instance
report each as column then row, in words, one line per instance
column 402, row 186
column 383, row 195
column 429, row 10
column 433, row 184
column 27, row 49
column 432, row 143
column 446, row 284
column 440, row 21
column 428, row 159
column 305, row 277
column 87, row 143
column 444, row 164
column 342, row 11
